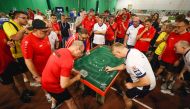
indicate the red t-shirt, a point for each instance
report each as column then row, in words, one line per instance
column 36, row 49
column 169, row 55
column 5, row 53
column 111, row 31
column 143, row 45
column 60, row 63
column 56, row 27
column 121, row 31
column 88, row 24
column 75, row 37
column 119, row 17
column 31, row 15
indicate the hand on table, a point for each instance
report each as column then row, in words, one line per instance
column 109, row 69
column 88, row 53
column 78, row 76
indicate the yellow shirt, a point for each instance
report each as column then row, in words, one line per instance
column 10, row 30
column 162, row 45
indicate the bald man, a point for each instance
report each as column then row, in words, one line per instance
column 183, row 47
column 56, row 77
column 130, row 37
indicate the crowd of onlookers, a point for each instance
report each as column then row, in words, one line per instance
column 166, row 44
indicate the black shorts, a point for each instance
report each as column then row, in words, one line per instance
column 22, row 66
column 187, row 76
column 11, row 70
column 137, row 93
column 168, row 66
column 155, row 62
column 130, row 46
column 61, row 97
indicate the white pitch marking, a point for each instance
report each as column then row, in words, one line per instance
column 144, row 105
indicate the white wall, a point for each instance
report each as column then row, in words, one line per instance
column 155, row 4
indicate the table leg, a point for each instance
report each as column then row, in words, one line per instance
column 100, row 99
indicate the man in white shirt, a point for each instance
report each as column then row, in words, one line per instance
column 99, row 32
column 54, row 41
column 131, row 34
column 139, row 69
column 183, row 47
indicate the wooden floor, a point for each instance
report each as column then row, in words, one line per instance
column 155, row 100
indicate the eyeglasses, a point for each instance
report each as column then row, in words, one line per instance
column 25, row 18
column 44, row 30
column 180, row 26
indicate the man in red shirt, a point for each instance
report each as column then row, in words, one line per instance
column 81, row 35
column 10, row 69
column 111, row 32
column 36, row 49
column 88, row 23
column 56, row 28
column 56, row 79
column 144, row 36
column 30, row 14
column 122, row 28
column 119, row 15
column 169, row 59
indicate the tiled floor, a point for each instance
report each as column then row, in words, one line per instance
column 155, row 100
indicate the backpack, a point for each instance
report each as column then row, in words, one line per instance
column 1, row 27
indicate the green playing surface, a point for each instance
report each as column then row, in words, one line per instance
column 95, row 64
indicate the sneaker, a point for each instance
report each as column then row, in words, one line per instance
column 35, row 84
column 187, row 90
column 164, row 86
column 171, row 84
column 55, row 106
column 167, row 92
column 25, row 98
column 48, row 97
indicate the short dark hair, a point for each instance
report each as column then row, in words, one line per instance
column 16, row 13
column 148, row 20
column 63, row 15
column 180, row 18
column 82, row 31
column 186, row 21
column 101, row 17
column 53, row 15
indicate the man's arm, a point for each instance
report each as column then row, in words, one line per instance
column 12, row 33
column 100, row 32
column 144, row 81
column 32, row 69
column 120, row 67
column 66, row 81
column 145, row 39
column 141, row 34
column 182, row 73
column 19, row 35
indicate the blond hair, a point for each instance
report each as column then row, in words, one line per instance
column 117, row 45
column 78, row 43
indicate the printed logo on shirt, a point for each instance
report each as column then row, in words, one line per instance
column 136, row 71
column 40, row 45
